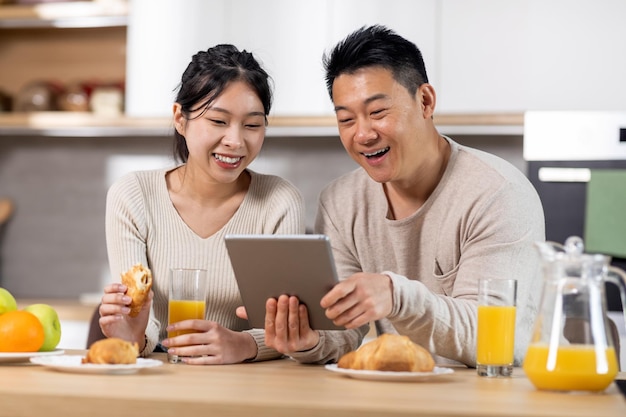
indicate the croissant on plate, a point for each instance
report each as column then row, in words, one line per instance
column 112, row 351
column 389, row 352
column 138, row 280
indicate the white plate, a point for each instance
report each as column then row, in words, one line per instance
column 11, row 357
column 390, row 376
column 73, row 363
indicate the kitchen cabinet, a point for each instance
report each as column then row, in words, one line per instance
column 523, row 55
column 288, row 37
column 149, row 47
column 484, row 57
column 416, row 20
column 63, row 43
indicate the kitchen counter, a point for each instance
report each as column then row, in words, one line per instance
column 284, row 388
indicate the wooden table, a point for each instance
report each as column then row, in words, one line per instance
column 282, row 388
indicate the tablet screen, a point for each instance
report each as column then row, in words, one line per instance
column 267, row 266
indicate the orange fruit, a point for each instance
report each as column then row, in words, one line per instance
column 20, row 331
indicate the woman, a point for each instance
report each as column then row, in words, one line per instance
column 178, row 218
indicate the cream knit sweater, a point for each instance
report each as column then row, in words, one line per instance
column 480, row 222
column 142, row 225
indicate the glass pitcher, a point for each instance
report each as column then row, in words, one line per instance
column 572, row 348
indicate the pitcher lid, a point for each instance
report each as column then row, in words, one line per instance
column 573, row 250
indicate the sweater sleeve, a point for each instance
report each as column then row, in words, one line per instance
column 126, row 230
column 443, row 325
column 333, row 344
column 264, row 352
column 498, row 243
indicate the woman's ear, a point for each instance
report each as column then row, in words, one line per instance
column 426, row 95
column 179, row 119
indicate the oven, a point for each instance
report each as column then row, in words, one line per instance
column 565, row 152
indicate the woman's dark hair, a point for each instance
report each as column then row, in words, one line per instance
column 206, row 77
column 376, row 46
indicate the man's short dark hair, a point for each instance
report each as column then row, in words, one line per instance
column 376, row 46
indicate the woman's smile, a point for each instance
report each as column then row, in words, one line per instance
column 227, row 161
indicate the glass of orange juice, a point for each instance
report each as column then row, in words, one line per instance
column 187, row 299
column 496, row 327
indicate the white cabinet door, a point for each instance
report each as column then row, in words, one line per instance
column 519, row 55
column 481, row 55
column 484, row 61
column 289, row 37
column 579, row 55
column 416, row 20
column 162, row 36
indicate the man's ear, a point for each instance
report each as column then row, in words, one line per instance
column 426, row 95
column 179, row 119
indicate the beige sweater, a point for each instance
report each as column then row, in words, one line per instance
column 480, row 222
column 142, row 225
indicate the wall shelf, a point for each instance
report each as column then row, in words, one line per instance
column 78, row 124
column 75, row 14
column 69, row 124
column 69, row 63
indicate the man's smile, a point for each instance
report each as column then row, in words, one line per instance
column 375, row 154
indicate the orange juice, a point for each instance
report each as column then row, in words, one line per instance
column 575, row 368
column 496, row 335
column 180, row 310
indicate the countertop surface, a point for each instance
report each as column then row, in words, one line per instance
column 284, row 388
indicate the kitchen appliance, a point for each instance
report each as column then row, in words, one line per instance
column 562, row 150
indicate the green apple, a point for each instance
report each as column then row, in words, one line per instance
column 7, row 301
column 49, row 318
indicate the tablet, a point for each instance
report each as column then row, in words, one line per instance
column 267, row 266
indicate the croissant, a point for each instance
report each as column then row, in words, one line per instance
column 138, row 280
column 112, row 351
column 389, row 352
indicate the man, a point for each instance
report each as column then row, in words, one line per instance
column 416, row 226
